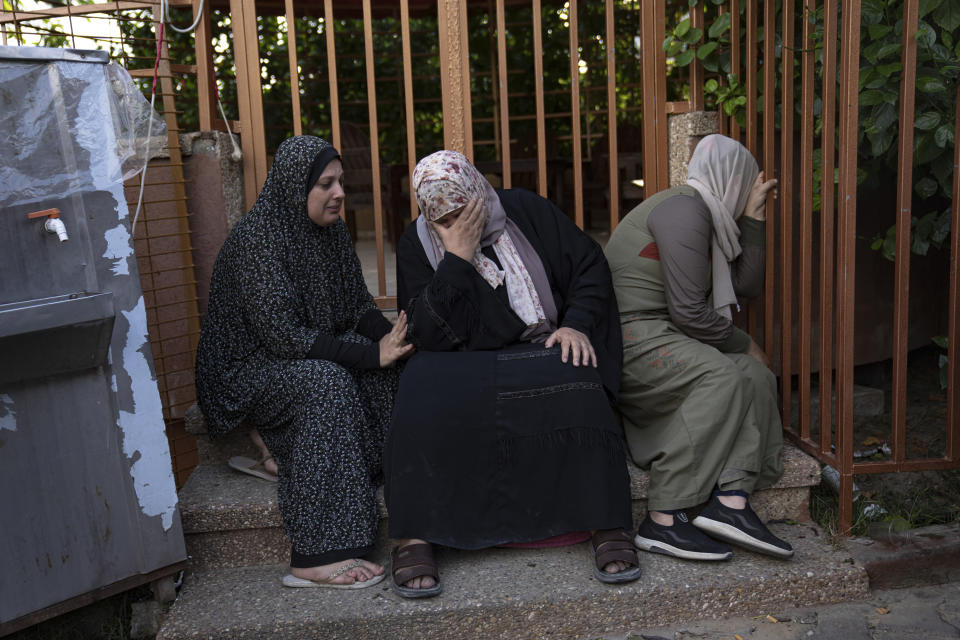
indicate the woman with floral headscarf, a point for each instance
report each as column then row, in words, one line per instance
column 294, row 346
column 698, row 400
column 503, row 430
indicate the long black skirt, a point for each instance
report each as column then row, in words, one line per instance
column 491, row 447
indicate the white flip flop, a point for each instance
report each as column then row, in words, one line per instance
column 251, row 467
column 293, row 581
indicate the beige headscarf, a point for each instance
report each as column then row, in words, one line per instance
column 723, row 172
column 445, row 181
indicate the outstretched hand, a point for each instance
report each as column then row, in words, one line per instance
column 394, row 345
column 460, row 232
column 573, row 342
column 757, row 201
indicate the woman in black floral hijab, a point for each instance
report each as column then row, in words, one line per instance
column 294, row 346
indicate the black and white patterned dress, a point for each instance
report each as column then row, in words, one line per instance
column 281, row 286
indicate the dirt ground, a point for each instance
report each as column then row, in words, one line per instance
column 906, row 499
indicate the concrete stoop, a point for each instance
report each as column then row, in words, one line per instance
column 231, row 519
column 238, row 552
column 509, row 593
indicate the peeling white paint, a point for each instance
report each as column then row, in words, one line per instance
column 119, row 248
column 8, row 417
column 143, row 430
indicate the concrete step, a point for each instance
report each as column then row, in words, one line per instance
column 510, row 593
column 232, row 519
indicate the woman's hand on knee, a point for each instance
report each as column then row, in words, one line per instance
column 756, row 352
column 575, row 343
column 394, row 345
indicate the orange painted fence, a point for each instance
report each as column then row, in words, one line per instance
column 572, row 98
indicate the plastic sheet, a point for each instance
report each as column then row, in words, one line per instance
column 131, row 116
column 52, row 123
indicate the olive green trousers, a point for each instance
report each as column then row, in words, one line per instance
column 696, row 418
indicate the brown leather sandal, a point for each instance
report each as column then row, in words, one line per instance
column 612, row 545
column 414, row 561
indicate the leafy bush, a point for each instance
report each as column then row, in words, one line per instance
column 938, row 51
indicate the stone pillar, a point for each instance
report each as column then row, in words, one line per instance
column 455, row 76
column 686, row 130
column 214, row 199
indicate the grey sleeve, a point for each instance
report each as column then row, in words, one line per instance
column 681, row 227
column 748, row 269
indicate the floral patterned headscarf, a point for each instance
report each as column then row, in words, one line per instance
column 446, row 181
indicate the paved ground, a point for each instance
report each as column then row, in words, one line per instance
column 921, row 613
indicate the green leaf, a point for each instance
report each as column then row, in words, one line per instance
column 880, row 142
column 684, row 58
column 889, row 249
column 947, row 38
column 711, row 85
column 926, row 187
column 886, row 70
column 942, row 228
column 711, row 63
column 871, row 51
column 940, row 341
column 877, row 243
column 947, row 16
column 926, row 6
column 877, row 31
column 927, row 121
column 682, row 28
column 674, row 48
column 944, row 370
column 884, row 116
column 706, row 50
column 871, row 97
column 925, row 34
column 875, row 82
column 930, row 85
column 867, row 74
column 719, row 26
column 871, row 11
column 943, row 136
column 693, row 36
column 926, row 149
column 888, row 49
column 667, row 41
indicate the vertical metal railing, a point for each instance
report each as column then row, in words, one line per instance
column 805, row 267
column 807, row 312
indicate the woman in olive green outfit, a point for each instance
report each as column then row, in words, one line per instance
column 698, row 400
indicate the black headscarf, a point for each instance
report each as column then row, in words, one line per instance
column 279, row 281
column 320, row 163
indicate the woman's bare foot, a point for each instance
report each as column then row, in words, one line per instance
column 269, row 464
column 421, row 582
column 322, row 573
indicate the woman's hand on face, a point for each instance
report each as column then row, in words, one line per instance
column 462, row 237
column 575, row 342
column 756, row 352
column 394, row 345
column 757, row 201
